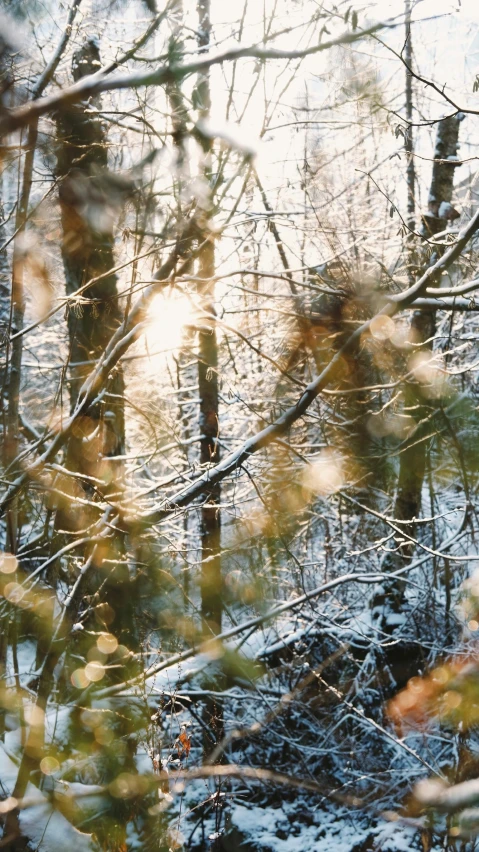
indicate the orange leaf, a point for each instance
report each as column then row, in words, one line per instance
column 184, row 743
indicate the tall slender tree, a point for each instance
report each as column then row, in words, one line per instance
column 208, row 389
column 87, row 194
column 409, row 141
column 412, row 459
column 211, row 599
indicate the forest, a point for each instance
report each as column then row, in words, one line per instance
column 239, row 425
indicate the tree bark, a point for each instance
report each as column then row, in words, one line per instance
column 208, row 391
column 211, row 597
column 5, row 280
column 423, row 323
column 412, row 460
column 409, row 150
column 87, row 194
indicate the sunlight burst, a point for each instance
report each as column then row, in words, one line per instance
column 169, row 313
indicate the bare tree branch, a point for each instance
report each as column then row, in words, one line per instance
column 99, row 82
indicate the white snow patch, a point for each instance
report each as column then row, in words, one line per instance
column 263, row 825
column 274, row 829
column 44, row 827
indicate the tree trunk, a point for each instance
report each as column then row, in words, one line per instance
column 4, row 302
column 423, row 323
column 412, row 460
column 211, row 597
column 88, row 194
column 409, row 150
column 211, row 579
column 86, row 197
column 5, row 280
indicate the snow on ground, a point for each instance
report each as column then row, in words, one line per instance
column 274, row 830
column 46, row 828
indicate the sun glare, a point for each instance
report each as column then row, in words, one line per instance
column 168, row 315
